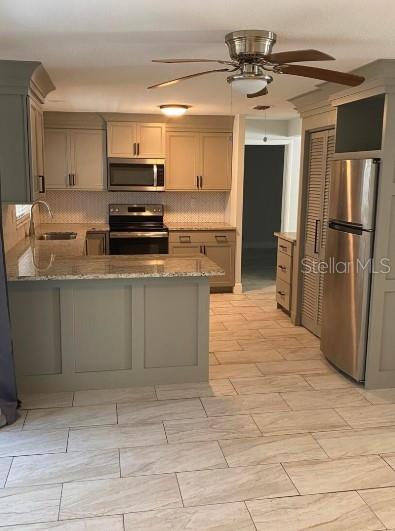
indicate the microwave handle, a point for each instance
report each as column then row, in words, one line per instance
column 155, row 175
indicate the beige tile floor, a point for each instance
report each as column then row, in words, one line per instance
column 278, row 440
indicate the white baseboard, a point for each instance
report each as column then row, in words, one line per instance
column 238, row 288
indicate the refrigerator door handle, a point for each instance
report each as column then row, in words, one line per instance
column 352, row 228
column 317, row 242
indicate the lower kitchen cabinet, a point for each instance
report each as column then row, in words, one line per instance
column 96, row 243
column 218, row 246
column 285, row 250
column 95, row 334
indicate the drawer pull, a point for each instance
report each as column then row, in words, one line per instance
column 283, row 247
column 283, row 268
column 221, row 238
column 185, row 239
column 282, row 293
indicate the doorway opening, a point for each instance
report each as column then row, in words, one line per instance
column 262, row 214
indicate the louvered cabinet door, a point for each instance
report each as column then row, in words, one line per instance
column 330, row 150
column 321, row 149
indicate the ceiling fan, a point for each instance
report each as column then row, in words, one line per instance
column 252, row 58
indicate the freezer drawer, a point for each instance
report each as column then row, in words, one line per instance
column 346, row 300
column 353, row 191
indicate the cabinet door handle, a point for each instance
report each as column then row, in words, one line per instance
column 283, row 268
column 282, row 293
column 74, row 179
column 283, row 247
column 201, row 181
column 197, row 181
column 41, row 184
column 134, row 148
column 70, row 181
column 138, row 148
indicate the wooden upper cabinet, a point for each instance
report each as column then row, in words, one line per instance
column 135, row 140
column 198, row 161
column 57, row 159
column 216, row 161
column 182, row 161
column 74, row 159
column 87, row 152
column 150, row 141
column 121, row 139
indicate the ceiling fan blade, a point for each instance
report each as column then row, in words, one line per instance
column 332, row 76
column 259, row 93
column 298, row 56
column 173, row 81
column 261, row 107
column 220, row 61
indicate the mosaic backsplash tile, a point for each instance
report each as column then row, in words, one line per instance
column 92, row 207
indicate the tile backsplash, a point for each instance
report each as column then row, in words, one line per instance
column 92, row 207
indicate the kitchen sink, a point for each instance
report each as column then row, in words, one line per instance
column 57, row 236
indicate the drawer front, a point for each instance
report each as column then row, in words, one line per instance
column 283, row 292
column 198, row 236
column 284, row 267
column 284, row 246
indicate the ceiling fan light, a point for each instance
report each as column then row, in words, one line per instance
column 246, row 83
column 174, row 109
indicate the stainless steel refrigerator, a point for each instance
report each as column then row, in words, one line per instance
column 349, row 250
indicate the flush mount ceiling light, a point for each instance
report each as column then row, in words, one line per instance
column 174, row 109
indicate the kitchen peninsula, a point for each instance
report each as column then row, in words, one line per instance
column 91, row 322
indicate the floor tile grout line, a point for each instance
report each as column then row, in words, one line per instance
column 8, row 473
column 119, row 462
column 290, row 479
column 370, row 508
column 67, row 441
column 164, row 429
column 319, row 444
column 222, row 452
column 252, row 520
column 60, row 500
column 179, row 489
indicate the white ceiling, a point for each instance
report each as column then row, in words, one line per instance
column 98, row 52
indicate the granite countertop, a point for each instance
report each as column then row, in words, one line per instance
column 288, row 236
column 190, row 226
column 66, row 260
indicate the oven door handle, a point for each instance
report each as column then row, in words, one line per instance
column 132, row 235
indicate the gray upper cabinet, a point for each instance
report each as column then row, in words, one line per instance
column 23, row 87
column 75, row 159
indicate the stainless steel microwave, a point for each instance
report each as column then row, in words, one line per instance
column 136, row 175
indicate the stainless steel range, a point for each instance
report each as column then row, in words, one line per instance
column 137, row 229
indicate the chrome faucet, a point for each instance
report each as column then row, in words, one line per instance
column 32, row 228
